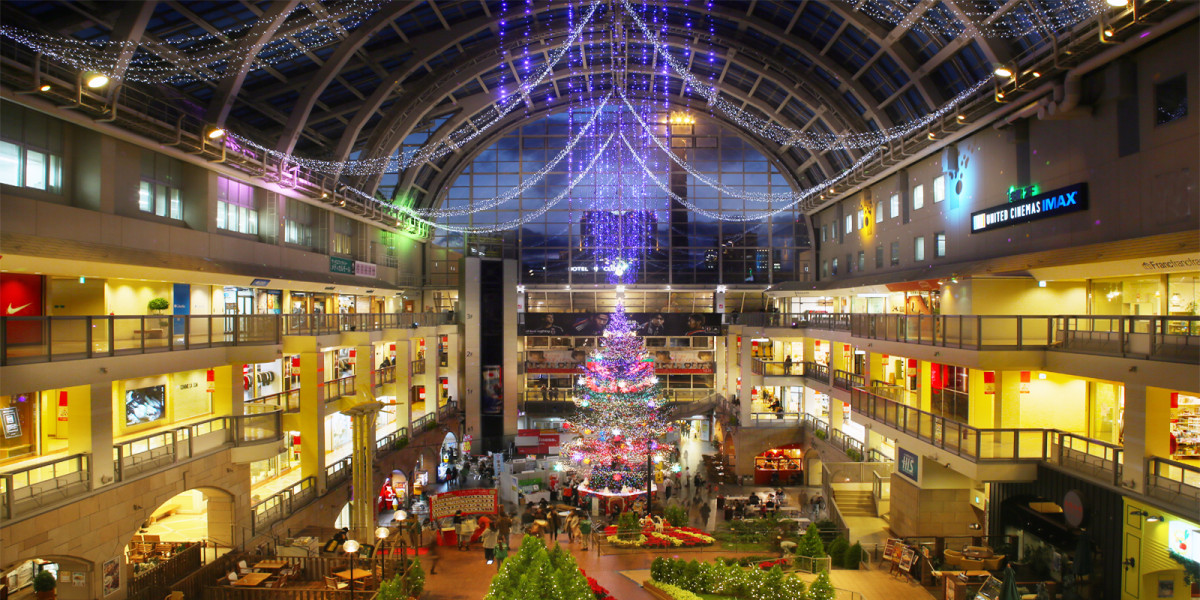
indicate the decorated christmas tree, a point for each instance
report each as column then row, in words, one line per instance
column 619, row 413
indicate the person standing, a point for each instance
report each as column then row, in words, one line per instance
column 503, row 527
column 705, row 512
column 585, row 528
column 787, row 365
column 572, row 526
column 459, row 531
column 501, row 552
column 555, row 525
column 489, row 539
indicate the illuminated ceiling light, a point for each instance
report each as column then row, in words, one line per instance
column 999, row 95
column 1108, row 32
column 1118, row 3
column 45, row 87
column 932, row 136
column 1036, row 74
column 215, row 133
column 95, row 80
column 1003, row 71
column 961, row 118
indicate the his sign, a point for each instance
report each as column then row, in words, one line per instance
column 1050, row 204
column 907, row 463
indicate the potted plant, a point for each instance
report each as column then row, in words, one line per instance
column 44, row 584
column 157, row 305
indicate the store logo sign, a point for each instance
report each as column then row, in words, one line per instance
column 1053, row 203
column 907, row 463
column 341, row 265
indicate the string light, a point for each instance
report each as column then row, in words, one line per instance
column 525, row 184
column 434, row 151
column 786, row 135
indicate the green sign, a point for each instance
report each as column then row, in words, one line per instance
column 341, row 265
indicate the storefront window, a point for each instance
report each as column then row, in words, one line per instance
column 949, row 395
column 1127, row 296
column 1185, row 426
column 17, row 415
column 1107, row 411
column 337, row 432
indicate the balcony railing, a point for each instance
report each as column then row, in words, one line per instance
column 284, row 503
column 338, row 472
column 56, row 338
column 417, row 366
column 383, row 375
column 50, row 482
column 777, row 368
column 845, row 380
column 288, row 401
column 390, row 440
column 774, row 419
column 816, row 372
column 156, row 450
column 1174, row 483
column 337, row 388
column 1100, row 460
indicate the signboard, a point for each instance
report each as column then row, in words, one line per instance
column 12, row 422
column 364, row 269
column 1072, row 506
column 493, row 390
column 1183, row 539
column 891, row 549
column 594, row 324
column 1050, row 204
column 907, row 557
column 260, row 282
column 181, row 304
column 538, row 441
column 341, row 265
column 470, row 502
column 907, row 464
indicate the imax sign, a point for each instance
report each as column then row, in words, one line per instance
column 1056, row 202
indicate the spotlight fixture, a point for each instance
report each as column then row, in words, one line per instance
column 1118, row 3
column 932, row 136
column 1154, row 518
column 45, row 87
column 215, row 133
column 1036, row 73
column 95, row 80
column 1108, row 32
column 961, row 118
column 1003, row 71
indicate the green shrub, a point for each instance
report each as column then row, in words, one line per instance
column 158, row 304
column 853, row 556
column 44, row 581
column 676, row 515
column 658, row 568
column 628, row 527
column 854, row 454
column 837, row 549
column 820, row 433
column 821, row 589
column 401, row 442
column 810, row 544
column 413, row 581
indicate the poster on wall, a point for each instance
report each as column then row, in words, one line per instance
column 181, row 304
column 647, row 324
column 21, row 296
column 112, row 576
column 145, row 405
column 493, row 391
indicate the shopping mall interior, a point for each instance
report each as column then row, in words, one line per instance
column 756, row 299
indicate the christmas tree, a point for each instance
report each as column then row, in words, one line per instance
column 619, row 413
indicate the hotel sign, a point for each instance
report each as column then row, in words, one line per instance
column 1050, row 204
column 907, row 464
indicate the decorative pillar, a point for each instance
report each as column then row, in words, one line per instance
column 362, row 500
column 90, row 427
column 312, row 417
column 1147, row 432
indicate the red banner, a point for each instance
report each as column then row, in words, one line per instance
column 21, row 296
column 537, row 441
column 470, row 502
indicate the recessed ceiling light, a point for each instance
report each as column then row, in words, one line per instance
column 1003, row 71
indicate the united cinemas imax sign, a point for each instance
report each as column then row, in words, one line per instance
column 1050, row 204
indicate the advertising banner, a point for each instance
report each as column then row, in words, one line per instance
column 537, row 441
column 470, row 502
column 181, row 304
column 493, row 391
column 648, row 324
column 21, row 296
column 666, row 362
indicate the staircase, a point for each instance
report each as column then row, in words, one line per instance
column 854, row 503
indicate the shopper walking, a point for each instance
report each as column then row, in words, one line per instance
column 489, row 539
column 459, row 529
column 504, row 526
column 585, row 528
column 572, row 525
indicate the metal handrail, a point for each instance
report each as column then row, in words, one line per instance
column 845, row 380
column 1175, row 483
column 80, row 337
column 29, row 486
column 816, row 371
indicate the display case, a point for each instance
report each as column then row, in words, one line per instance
column 778, row 465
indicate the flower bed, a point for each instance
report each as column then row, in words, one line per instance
column 600, row 591
column 767, row 564
column 670, row 537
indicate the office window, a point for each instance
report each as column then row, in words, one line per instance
column 879, row 256
column 1170, row 100
column 834, row 271
column 895, row 253
column 862, row 260
column 158, row 192
column 237, row 208
column 30, row 149
column 939, row 244
column 824, row 268
column 298, row 223
column 918, row 195
column 823, row 232
column 879, row 211
column 939, row 188
column 849, row 224
column 862, row 220
column 849, row 264
column 833, row 231
column 343, row 235
column 919, row 248
column 895, row 205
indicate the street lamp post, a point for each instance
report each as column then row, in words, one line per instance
column 351, row 548
column 381, row 533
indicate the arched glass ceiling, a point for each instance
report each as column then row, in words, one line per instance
column 684, row 245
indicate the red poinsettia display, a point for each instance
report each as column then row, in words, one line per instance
column 600, row 591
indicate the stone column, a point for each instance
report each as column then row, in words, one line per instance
column 90, row 428
column 1147, row 431
column 312, row 417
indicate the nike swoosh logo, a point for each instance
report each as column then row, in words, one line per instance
column 13, row 311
